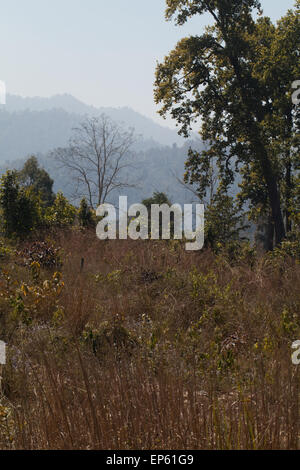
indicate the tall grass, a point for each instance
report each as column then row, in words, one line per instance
column 150, row 347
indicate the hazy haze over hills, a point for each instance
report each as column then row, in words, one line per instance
column 36, row 126
column 30, row 110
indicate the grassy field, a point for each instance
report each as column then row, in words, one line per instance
column 142, row 345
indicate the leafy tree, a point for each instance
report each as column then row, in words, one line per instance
column 61, row 213
column 20, row 206
column 277, row 59
column 160, row 199
column 157, row 198
column 85, row 215
column 223, row 220
column 38, row 180
column 223, row 77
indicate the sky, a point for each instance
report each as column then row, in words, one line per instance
column 104, row 52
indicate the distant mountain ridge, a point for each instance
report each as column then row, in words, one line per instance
column 143, row 125
column 36, row 126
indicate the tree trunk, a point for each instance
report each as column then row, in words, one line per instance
column 272, row 187
column 269, row 241
column 274, row 198
column 288, row 182
column 257, row 141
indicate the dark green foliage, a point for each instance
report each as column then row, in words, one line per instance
column 61, row 213
column 236, row 78
column 20, row 206
column 38, row 180
column 85, row 215
column 157, row 198
column 160, row 199
column 223, row 221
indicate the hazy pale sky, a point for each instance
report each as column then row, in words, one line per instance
column 103, row 52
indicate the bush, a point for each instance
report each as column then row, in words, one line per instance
column 86, row 218
column 61, row 213
column 20, row 207
column 42, row 252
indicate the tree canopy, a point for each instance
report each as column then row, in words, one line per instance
column 237, row 79
column 38, row 180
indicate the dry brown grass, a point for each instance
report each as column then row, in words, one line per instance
column 151, row 347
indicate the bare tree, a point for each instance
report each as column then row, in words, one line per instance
column 97, row 156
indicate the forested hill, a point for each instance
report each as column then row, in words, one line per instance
column 36, row 126
column 32, row 125
column 153, row 169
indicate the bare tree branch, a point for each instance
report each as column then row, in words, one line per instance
column 97, row 155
